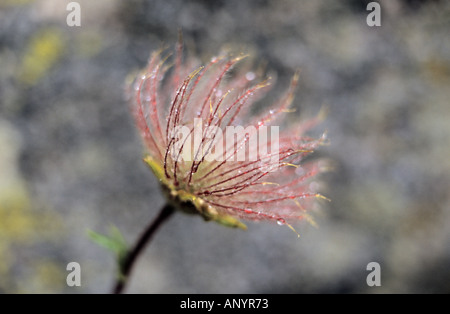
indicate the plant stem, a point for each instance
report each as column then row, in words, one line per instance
column 128, row 262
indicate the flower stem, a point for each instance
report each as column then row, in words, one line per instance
column 128, row 262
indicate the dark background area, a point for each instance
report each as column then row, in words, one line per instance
column 70, row 157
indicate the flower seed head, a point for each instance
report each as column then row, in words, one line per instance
column 212, row 155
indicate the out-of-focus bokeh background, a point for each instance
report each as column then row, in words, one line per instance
column 70, row 157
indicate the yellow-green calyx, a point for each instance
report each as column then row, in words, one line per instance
column 188, row 202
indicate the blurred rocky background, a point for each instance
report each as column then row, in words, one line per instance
column 70, row 157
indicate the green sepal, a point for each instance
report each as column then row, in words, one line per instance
column 157, row 170
column 229, row 221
